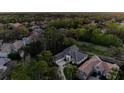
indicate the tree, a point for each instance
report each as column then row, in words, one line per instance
column 34, row 48
column 113, row 74
column 111, row 26
column 75, row 33
column 69, row 41
column 35, row 70
column 14, row 56
column 38, row 69
column 120, row 75
column 46, row 56
column 106, row 39
column 19, row 73
column 23, row 31
column 70, row 72
column 54, row 40
column 53, row 73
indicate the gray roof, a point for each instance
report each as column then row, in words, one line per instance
column 7, row 47
column 74, row 52
column 26, row 40
column 35, row 27
column 3, row 54
column 108, row 59
column 4, row 61
column 39, row 30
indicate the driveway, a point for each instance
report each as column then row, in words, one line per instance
column 61, row 69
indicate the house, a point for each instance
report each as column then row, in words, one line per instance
column 3, row 68
column 37, row 34
column 70, row 55
column 7, row 47
column 16, row 25
column 3, row 54
column 32, row 23
column 34, row 27
column 37, row 29
column 26, row 40
column 3, row 60
column 95, row 68
column 18, row 44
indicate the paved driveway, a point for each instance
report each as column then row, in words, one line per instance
column 61, row 69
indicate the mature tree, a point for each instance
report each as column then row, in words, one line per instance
column 46, row 56
column 20, row 73
column 75, row 33
column 34, row 48
column 54, row 40
column 38, row 69
column 113, row 74
column 120, row 75
column 23, row 31
column 69, row 41
column 14, row 56
column 35, row 70
column 106, row 40
column 70, row 72
column 53, row 73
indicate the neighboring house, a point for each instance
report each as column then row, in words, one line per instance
column 95, row 66
column 70, row 55
column 18, row 44
column 3, row 54
column 32, row 23
column 26, row 23
column 7, row 47
column 16, row 25
column 3, row 60
column 34, row 27
column 26, row 40
column 37, row 29
column 35, row 36
column 37, row 33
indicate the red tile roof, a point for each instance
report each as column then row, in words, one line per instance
column 87, row 67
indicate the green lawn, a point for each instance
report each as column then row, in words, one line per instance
column 91, row 48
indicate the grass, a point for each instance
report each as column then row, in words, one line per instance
column 95, row 49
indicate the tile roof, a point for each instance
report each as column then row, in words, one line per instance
column 18, row 44
column 87, row 67
column 16, row 25
column 95, row 61
column 73, row 51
